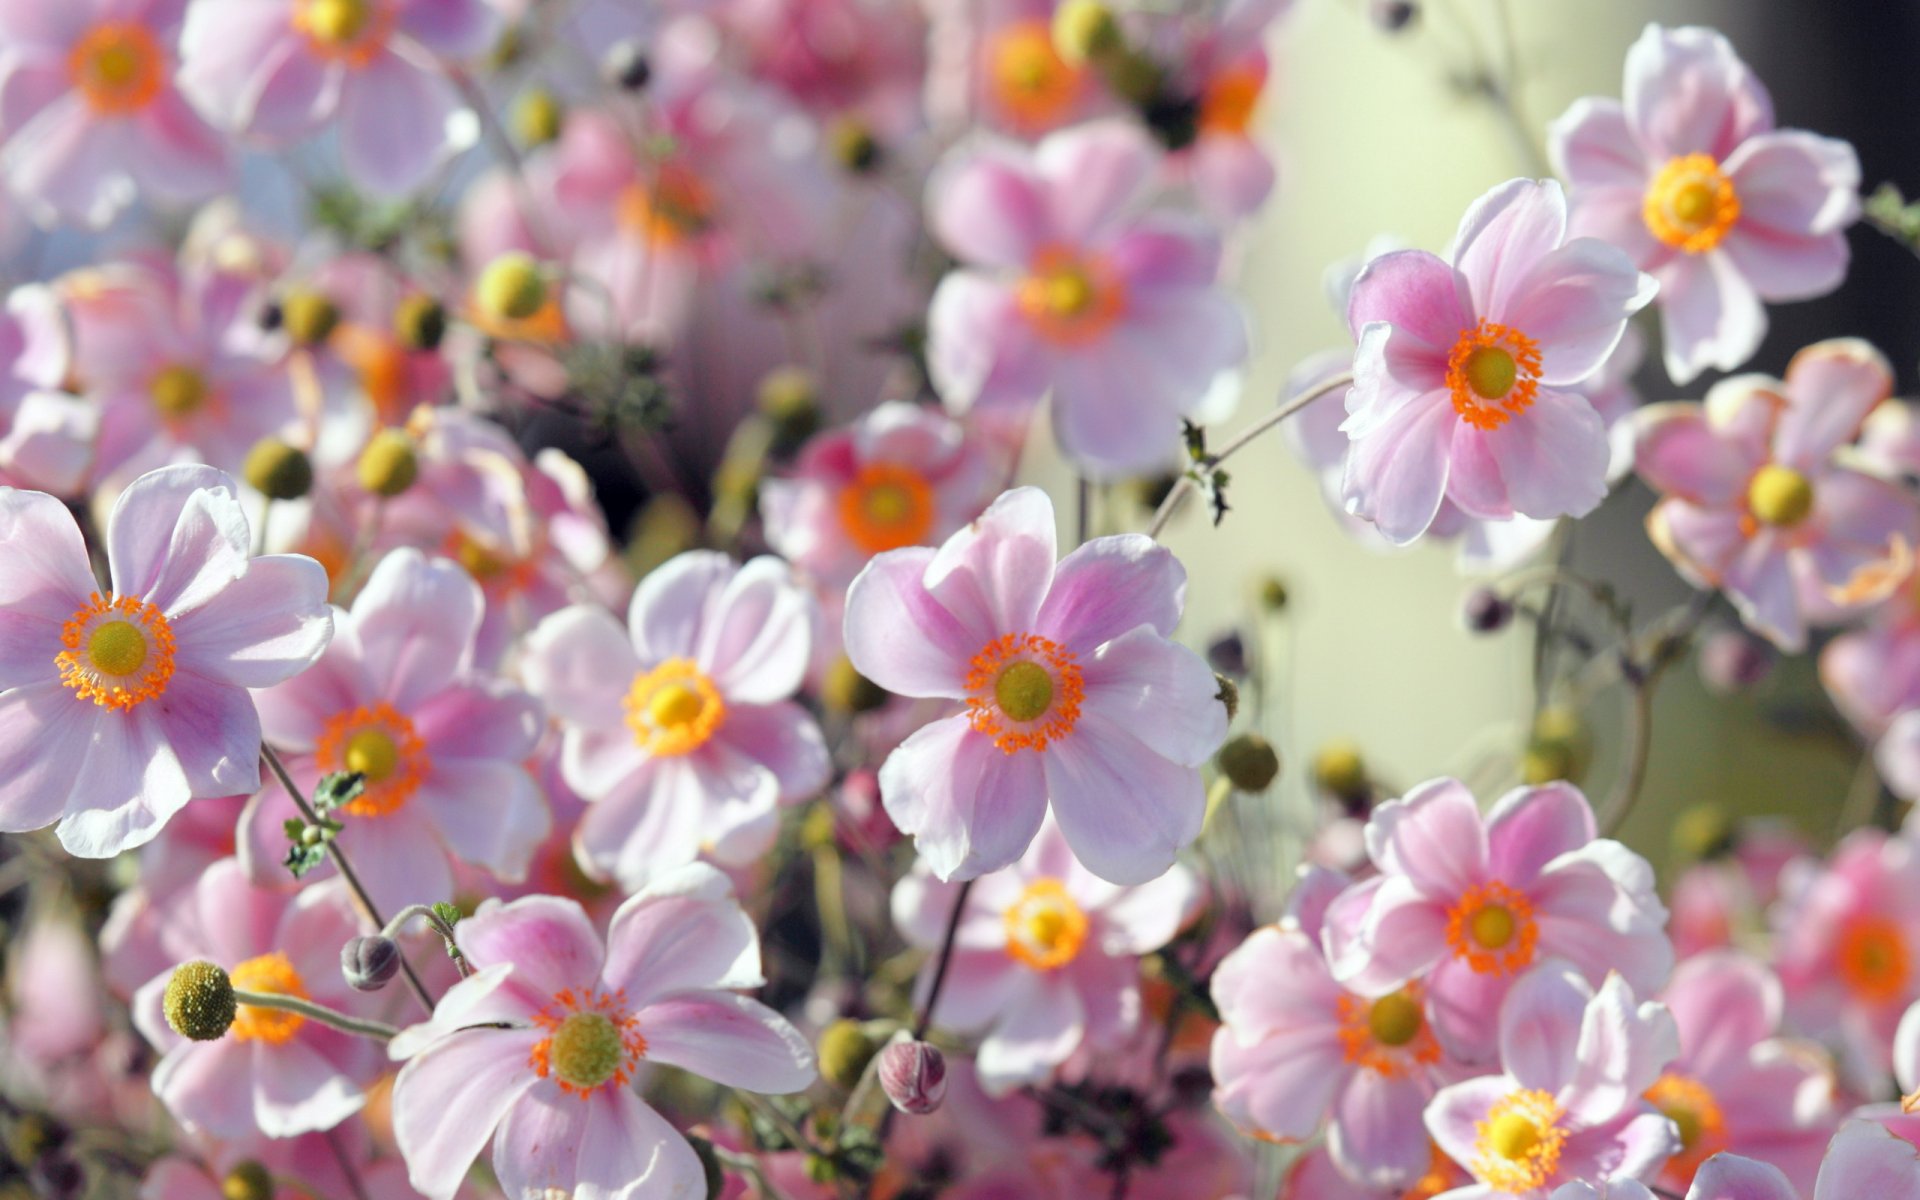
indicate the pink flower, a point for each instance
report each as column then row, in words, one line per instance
column 1076, row 701
column 1466, row 375
column 93, row 115
column 681, row 731
column 543, row 1042
column 1848, row 951
column 1873, row 675
column 1691, row 179
column 993, row 62
column 1756, row 503
column 278, row 70
column 1046, row 962
column 46, row 435
column 1736, row 1085
column 275, row 1072
column 1567, row 1106
column 442, row 745
column 1066, row 288
column 1296, row 1050
column 1468, row 904
column 1865, row 1159
column 903, row 475
column 117, row 707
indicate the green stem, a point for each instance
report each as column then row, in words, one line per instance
column 315, row 1012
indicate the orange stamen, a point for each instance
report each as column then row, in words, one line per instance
column 887, row 506
column 674, row 708
column 379, row 742
column 118, row 67
column 568, row 1003
column 272, row 973
column 1691, row 204
column 1364, row 1021
column 1045, row 927
column 1493, row 373
column 986, row 707
column 1493, row 929
column 1071, row 298
column 119, row 652
column 1874, row 959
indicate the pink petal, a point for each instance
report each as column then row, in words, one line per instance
column 177, row 155
column 1831, row 387
column 1502, row 236
column 1541, row 1024
column 1110, row 586
column 128, row 784
column 1553, row 457
column 416, row 619
column 890, row 596
column 1530, row 827
column 206, row 1085
column 1725, row 1004
column 1678, row 452
column 1730, row 1177
column 759, row 635
column 980, row 349
column 1759, row 581
column 454, row 28
column 260, row 629
column 729, row 1039
column 1397, row 934
column 549, row 941
column 1866, row 1159
column 988, row 207
column 652, row 819
column 612, row 1145
column 1413, row 291
column 580, row 663
column 449, row 1098
column 393, row 118
column 1687, row 92
column 1592, row 145
column 1396, row 475
column 1794, row 184
column 1575, row 302
column 1376, row 1135
column 46, row 581
column 177, row 537
column 1282, row 1086
column 1162, row 692
column 1095, row 174
column 1455, row 1112
column 682, row 931
column 1434, row 837
column 676, row 602
column 1040, row 1027
column 969, row 807
column 784, row 739
column 490, row 814
column 1709, row 316
column 1125, row 809
column 1166, row 250
column 995, row 573
column 296, row 1090
column 214, row 732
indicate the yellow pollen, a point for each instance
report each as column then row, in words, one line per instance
column 118, row 67
column 1517, row 1148
column 271, row 973
column 1031, row 82
column 373, row 754
column 1395, row 1020
column 1493, row 929
column 379, row 742
column 1045, row 928
column 178, row 391
column 587, row 1050
column 1070, row 297
column 1780, row 496
column 118, row 652
column 1493, row 373
column 592, row 1042
column 886, row 507
column 1024, row 692
column 674, row 708
column 336, row 22
column 1691, row 204
column 1696, row 1115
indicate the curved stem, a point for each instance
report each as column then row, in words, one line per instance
column 924, row 1020
column 345, row 868
column 1247, row 436
column 315, row 1012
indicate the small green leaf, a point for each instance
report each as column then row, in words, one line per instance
column 338, row 789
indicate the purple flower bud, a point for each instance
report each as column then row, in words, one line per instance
column 914, row 1075
column 1391, row 16
column 369, row 962
column 1486, row 611
column 1227, row 654
column 1732, row 660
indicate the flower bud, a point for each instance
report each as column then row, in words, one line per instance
column 854, row 146
column 1249, row 762
column 419, row 322
column 1486, row 611
column 1227, row 655
column 914, row 1076
column 198, row 1002
column 369, row 962
column 1391, row 16
column 511, row 288
column 537, row 117
column 1273, row 594
column 310, row 316
column 246, row 1180
column 845, row 1050
column 847, row 690
column 626, row 66
column 1705, row 831
column 789, row 397
column 276, row 470
column 1339, row 769
column 1085, row 29
column 388, row 466
column 1556, row 748
column 1732, row 660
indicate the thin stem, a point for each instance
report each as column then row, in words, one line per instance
column 502, row 145
column 316, row 1012
column 354, row 1184
column 1178, row 495
column 425, row 911
column 345, row 868
column 925, row 1019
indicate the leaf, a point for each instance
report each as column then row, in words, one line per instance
column 338, row 789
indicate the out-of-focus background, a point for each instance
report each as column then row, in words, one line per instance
column 1375, row 135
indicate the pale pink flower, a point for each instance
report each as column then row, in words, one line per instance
column 1467, row 372
column 1567, row 1105
column 538, row 1050
column 46, row 435
column 278, row 70
column 903, row 475
column 1046, row 961
column 1691, row 179
column 274, row 1072
column 1848, row 950
column 1735, row 1084
column 1218, row 59
column 117, row 706
column 393, row 377
column 993, row 63
column 1076, row 701
column 1296, row 1051
column 1757, row 504
column 1873, row 676
column 1866, row 1158
column 1467, row 904
column 442, row 745
column 838, row 56
column 681, row 730
column 92, row 114
column 1065, row 287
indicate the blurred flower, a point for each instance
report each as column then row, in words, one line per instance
column 46, row 435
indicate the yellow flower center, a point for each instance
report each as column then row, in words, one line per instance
column 1493, row 373
column 1045, row 928
column 592, row 1041
column 673, row 708
column 1780, row 496
column 1691, row 204
column 1874, row 960
column 118, row 652
column 1517, row 1148
column 118, row 67
column 1395, row 1020
column 353, row 31
column 1691, row 1106
column 1493, row 929
column 178, row 391
column 274, row 974
column 1071, row 298
column 1387, row 1035
column 1029, row 80
column 1024, row 692
column 886, row 507
column 378, row 742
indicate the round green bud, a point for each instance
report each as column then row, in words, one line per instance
column 1250, row 762
column 1085, row 29
column 789, row 397
column 277, row 471
column 537, row 117
column 511, row 288
column 308, row 316
column 1704, row 831
column 845, row 1050
column 198, row 1002
column 847, row 690
column 1273, row 595
column 1556, row 748
column 247, row 1180
column 854, row 146
column 1339, row 769
column 389, row 464
column 419, row 322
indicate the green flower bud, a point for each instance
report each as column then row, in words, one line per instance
column 247, row 1180
column 419, row 322
column 199, row 1001
column 309, row 316
column 277, row 471
column 511, row 288
column 537, row 117
column 1704, row 831
column 854, row 146
column 789, row 397
column 389, row 465
column 845, row 1050
column 1273, row 595
column 1250, row 762
column 1085, row 29
column 847, row 690
column 1339, row 769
